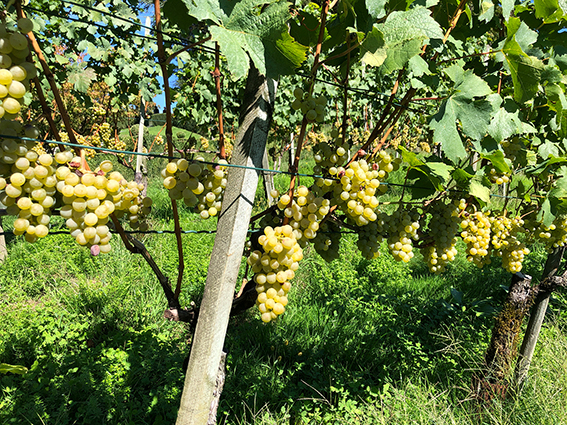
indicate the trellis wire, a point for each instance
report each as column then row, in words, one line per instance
column 266, row 170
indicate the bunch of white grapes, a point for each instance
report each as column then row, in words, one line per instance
column 498, row 177
column 505, row 242
column 476, row 233
column 304, row 212
column 27, row 182
column 401, row 228
column 200, row 186
column 328, row 156
column 327, row 242
column 313, row 108
column 444, row 226
column 273, row 267
column 356, row 193
column 552, row 236
column 369, row 240
column 90, row 197
column 15, row 71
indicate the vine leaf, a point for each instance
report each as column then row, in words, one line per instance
column 550, row 10
column 405, row 33
column 557, row 102
column 479, row 191
column 252, row 29
column 462, row 107
column 81, row 78
column 506, row 122
column 525, row 70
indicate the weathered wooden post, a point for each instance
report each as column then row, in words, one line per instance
column 536, row 319
column 208, row 341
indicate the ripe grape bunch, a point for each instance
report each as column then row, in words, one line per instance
column 356, row 193
column 327, row 241
column 506, row 244
column 498, row 177
column 444, row 226
column 27, row 181
column 313, row 108
column 200, row 186
column 370, row 239
column 305, row 212
column 552, row 236
column 401, row 228
column 90, row 197
column 273, row 268
column 476, row 234
column 15, row 71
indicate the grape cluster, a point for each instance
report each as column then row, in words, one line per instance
column 476, row 234
column 552, row 236
column 369, row 240
column 304, row 212
column 27, row 182
column 200, row 186
column 401, row 228
column 313, row 108
column 444, row 226
column 356, row 194
column 90, row 197
column 327, row 242
column 505, row 242
column 497, row 177
column 273, row 267
column 15, row 71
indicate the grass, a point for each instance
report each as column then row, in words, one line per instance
column 362, row 342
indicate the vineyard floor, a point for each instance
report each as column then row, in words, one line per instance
column 362, row 342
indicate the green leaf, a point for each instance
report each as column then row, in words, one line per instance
column 486, row 11
column 410, row 158
column 405, row 33
column 507, row 123
column 418, row 66
column 525, row 70
column 498, row 161
column 478, row 190
column 557, row 102
column 373, row 48
column 81, row 78
column 507, row 7
column 559, row 189
column 546, row 214
column 213, row 10
column 462, row 177
column 548, row 149
column 548, row 10
column 5, row 368
column 440, row 169
column 376, row 8
column 474, row 115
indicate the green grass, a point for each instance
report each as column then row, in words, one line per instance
column 362, row 342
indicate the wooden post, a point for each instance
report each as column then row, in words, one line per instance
column 3, row 249
column 232, row 228
column 536, row 319
column 501, row 352
column 268, row 179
